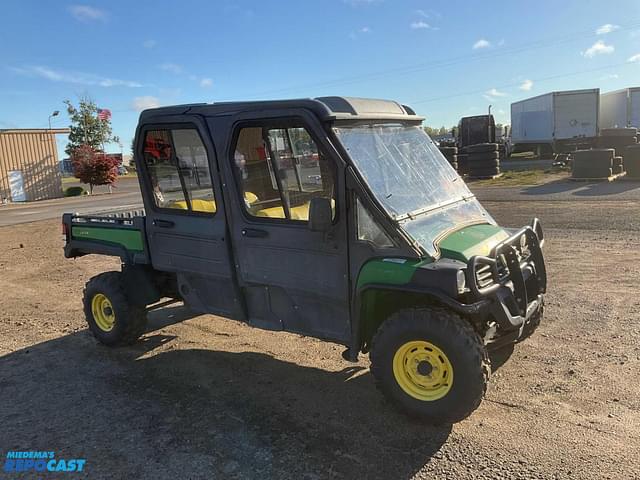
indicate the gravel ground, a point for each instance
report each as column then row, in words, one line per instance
column 203, row 397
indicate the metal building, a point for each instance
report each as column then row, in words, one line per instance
column 29, row 167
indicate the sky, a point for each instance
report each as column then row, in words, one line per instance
column 446, row 59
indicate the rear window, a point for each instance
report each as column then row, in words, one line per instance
column 177, row 167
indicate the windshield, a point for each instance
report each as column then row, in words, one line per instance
column 412, row 180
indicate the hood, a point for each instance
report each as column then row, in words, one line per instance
column 472, row 240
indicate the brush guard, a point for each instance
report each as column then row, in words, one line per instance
column 513, row 276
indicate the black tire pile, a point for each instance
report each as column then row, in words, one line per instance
column 463, row 162
column 451, row 154
column 502, row 151
column 618, row 139
column 482, row 160
column 632, row 161
column 596, row 163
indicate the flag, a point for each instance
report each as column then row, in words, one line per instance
column 104, row 114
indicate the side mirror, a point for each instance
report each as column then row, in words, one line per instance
column 320, row 214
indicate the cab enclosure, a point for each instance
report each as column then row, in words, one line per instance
column 316, row 216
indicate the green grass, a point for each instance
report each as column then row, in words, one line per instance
column 528, row 155
column 77, row 180
column 520, row 178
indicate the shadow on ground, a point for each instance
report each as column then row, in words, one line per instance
column 584, row 189
column 152, row 411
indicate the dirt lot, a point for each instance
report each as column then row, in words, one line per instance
column 208, row 398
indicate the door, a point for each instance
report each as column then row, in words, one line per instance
column 634, row 108
column 576, row 115
column 185, row 219
column 292, row 278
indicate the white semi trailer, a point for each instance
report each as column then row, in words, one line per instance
column 620, row 109
column 556, row 121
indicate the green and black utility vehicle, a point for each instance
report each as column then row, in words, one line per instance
column 336, row 218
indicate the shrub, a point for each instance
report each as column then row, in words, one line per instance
column 93, row 167
column 74, row 191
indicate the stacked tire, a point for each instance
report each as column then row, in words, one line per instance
column 483, row 160
column 463, row 162
column 451, row 154
column 502, row 151
column 596, row 163
column 618, row 165
column 632, row 161
column 618, row 139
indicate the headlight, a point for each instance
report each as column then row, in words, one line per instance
column 461, row 281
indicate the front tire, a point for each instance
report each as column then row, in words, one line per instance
column 111, row 317
column 431, row 364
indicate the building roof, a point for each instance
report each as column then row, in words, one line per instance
column 26, row 131
column 326, row 108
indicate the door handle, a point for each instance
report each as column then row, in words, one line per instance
column 163, row 223
column 254, row 233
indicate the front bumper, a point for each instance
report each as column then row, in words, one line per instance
column 514, row 279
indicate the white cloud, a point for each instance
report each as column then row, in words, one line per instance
column 73, row 77
column 360, row 31
column 144, row 102
column 85, row 13
column 526, row 85
column 598, row 48
column 634, row 58
column 607, row 28
column 206, row 83
column 493, row 94
column 482, row 43
column 611, row 76
column 428, row 14
column 171, row 67
column 149, row 43
column 420, row 25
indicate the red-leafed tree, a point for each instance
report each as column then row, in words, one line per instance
column 93, row 167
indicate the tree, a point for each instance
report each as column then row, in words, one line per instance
column 86, row 128
column 437, row 132
column 93, row 167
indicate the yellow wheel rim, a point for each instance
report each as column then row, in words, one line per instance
column 103, row 313
column 422, row 370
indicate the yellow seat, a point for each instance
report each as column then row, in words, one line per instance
column 301, row 212
column 197, row 205
column 208, row 206
column 273, row 212
column 250, row 197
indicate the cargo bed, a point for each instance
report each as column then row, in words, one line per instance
column 117, row 232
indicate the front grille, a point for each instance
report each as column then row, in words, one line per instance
column 501, row 265
column 484, row 276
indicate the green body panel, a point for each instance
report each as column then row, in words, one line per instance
column 392, row 271
column 129, row 239
column 459, row 245
column 377, row 305
column 472, row 240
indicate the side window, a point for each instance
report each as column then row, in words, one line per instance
column 279, row 170
column 178, row 170
column 368, row 228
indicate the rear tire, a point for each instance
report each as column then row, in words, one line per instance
column 431, row 364
column 112, row 319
